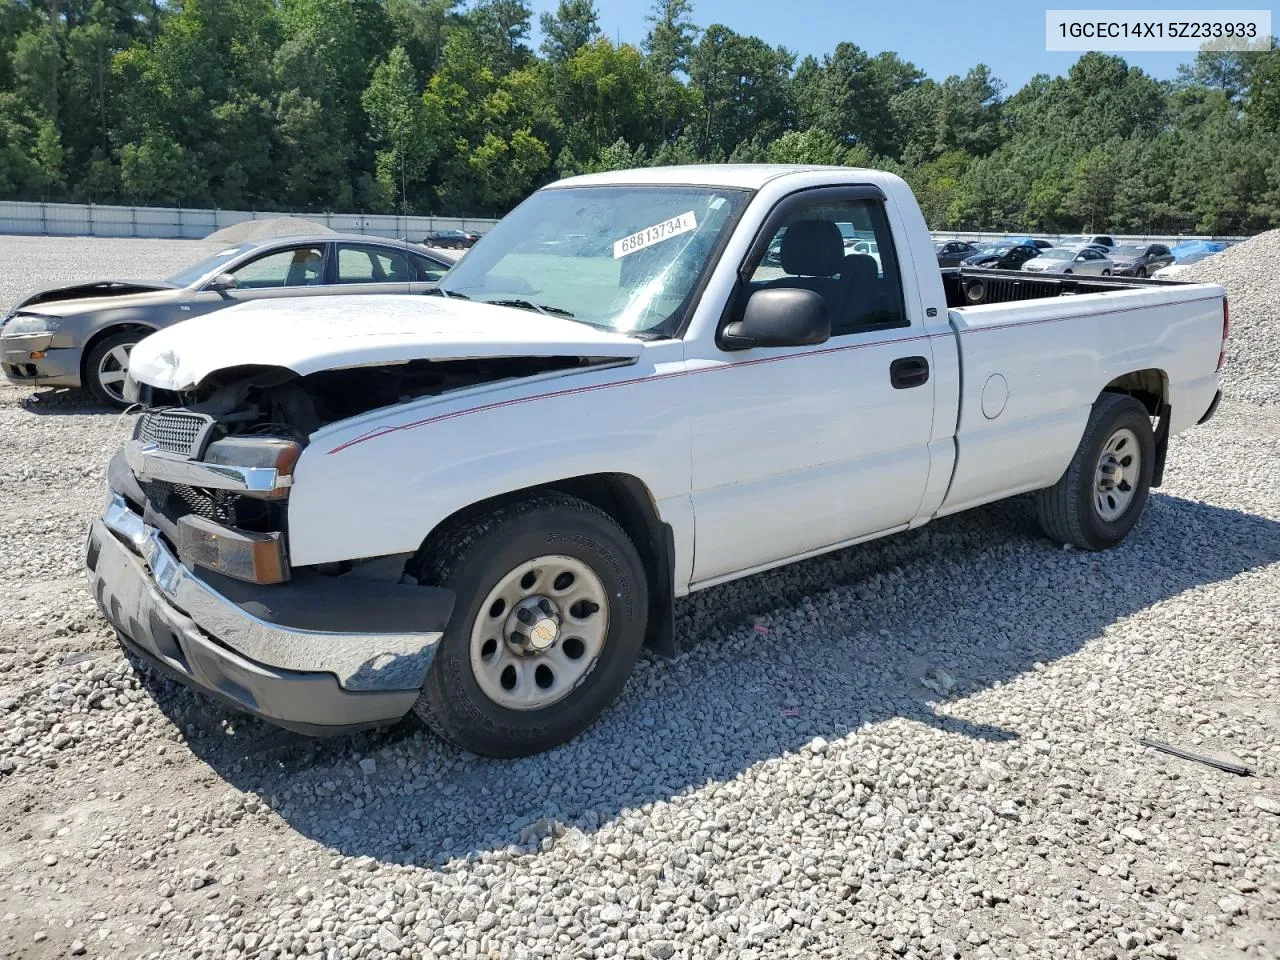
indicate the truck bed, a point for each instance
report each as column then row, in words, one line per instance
column 970, row 286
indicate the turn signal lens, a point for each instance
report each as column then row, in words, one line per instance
column 254, row 557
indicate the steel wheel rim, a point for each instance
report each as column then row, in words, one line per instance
column 1115, row 480
column 112, row 369
column 539, row 632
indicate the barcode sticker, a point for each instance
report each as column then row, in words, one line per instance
column 655, row 234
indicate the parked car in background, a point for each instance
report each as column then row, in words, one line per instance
column 451, row 239
column 1086, row 260
column 1088, row 239
column 1182, row 264
column 1003, row 256
column 82, row 334
column 952, row 253
column 1032, row 241
column 1140, row 260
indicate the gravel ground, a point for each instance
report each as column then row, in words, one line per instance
column 1248, row 271
column 924, row 747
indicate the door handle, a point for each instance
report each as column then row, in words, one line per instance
column 906, row 372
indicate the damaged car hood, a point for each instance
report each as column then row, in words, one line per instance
column 311, row 334
column 70, row 299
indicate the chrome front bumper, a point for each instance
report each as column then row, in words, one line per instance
column 359, row 661
column 149, row 462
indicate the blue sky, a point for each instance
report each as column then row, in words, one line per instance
column 941, row 37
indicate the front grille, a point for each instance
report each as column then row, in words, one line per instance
column 174, row 431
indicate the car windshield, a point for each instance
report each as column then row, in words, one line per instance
column 1057, row 253
column 1073, row 241
column 1128, row 253
column 622, row 258
column 185, row 278
column 999, row 249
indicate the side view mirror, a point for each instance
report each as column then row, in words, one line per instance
column 223, row 281
column 779, row 317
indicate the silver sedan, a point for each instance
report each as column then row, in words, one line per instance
column 81, row 334
column 1083, row 260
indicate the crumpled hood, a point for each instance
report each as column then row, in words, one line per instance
column 310, row 334
column 68, row 300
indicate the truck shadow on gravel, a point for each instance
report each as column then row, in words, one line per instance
column 820, row 648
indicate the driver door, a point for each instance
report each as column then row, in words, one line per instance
column 299, row 270
column 796, row 449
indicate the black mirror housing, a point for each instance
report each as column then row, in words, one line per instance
column 779, row 317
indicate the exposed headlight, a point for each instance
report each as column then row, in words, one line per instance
column 258, row 452
column 30, row 324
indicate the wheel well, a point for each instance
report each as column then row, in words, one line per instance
column 1150, row 387
column 627, row 500
column 102, row 334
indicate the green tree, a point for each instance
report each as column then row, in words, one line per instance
column 574, row 25
column 744, row 86
column 670, row 40
column 395, row 113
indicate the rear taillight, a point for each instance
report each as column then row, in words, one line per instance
column 1226, row 334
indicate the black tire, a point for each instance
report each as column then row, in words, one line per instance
column 1066, row 272
column 1106, row 273
column 1141, row 273
column 1068, row 510
column 109, row 394
column 470, row 558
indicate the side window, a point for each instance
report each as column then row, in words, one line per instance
column 1159, row 250
column 427, row 269
column 842, row 250
column 371, row 265
column 294, row 267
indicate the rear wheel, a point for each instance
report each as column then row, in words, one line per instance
column 1104, row 490
column 107, row 365
column 548, row 622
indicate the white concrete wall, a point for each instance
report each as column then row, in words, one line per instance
column 92, row 220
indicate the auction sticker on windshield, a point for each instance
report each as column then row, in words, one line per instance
column 655, row 234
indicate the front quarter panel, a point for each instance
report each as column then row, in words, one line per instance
column 379, row 483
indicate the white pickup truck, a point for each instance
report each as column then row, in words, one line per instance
column 479, row 504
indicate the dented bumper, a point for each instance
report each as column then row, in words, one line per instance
column 317, row 654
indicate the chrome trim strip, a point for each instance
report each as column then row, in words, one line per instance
column 356, row 659
column 149, row 462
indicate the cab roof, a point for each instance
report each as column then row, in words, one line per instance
column 745, row 176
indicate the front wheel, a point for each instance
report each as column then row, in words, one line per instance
column 1142, row 273
column 548, row 622
column 1106, row 273
column 1066, row 271
column 107, row 365
column 1102, row 494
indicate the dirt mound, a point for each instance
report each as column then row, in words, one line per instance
column 247, row 230
column 1248, row 271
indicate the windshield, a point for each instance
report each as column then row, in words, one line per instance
column 184, row 278
column 1000, row 249
column 1057, row 253
column 1128, row 253
column 623, row 258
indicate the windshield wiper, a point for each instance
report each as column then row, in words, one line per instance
column 442, row 292
column 529, row 305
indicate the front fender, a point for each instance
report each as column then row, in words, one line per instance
column 379, row 484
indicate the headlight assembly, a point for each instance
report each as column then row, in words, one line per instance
column 264, row 453
column 30, row 324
